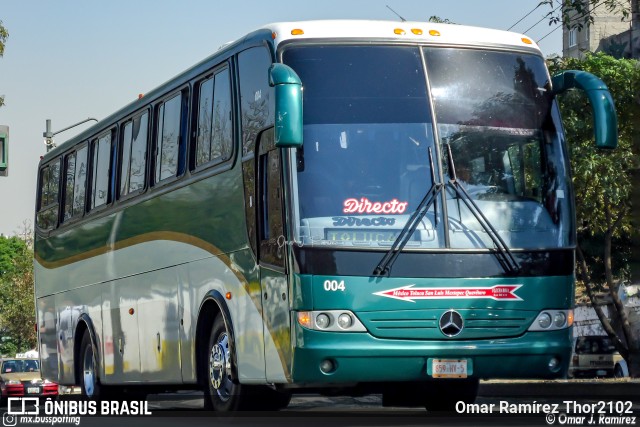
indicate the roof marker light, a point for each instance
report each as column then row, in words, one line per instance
column 416, row 31
column 274, row 35
column 297, row 32
column 434, row 33
column 399, row 31
column 526, row 40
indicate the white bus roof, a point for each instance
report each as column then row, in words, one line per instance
column 425, row 32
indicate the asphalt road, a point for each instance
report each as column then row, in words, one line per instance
column 596, row 402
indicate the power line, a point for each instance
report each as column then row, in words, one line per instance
column 543, row 18
column 520, row 20
column 549, row 33
column 576, row 18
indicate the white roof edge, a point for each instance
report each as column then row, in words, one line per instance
column 359, row 29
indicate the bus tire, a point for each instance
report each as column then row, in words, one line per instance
column 89, row 380
column 89, row 383
column 222, row 392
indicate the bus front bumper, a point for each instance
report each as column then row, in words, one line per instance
column 360, row 357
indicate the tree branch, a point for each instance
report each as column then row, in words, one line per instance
column 583, row 272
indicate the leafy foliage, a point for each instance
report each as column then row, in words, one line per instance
column 580, row 13
column 603, row 183
column 4, row 34
column 17, row 310
column 603, row 180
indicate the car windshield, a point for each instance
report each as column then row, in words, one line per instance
column 370, row 135
column 594, row 345
column 20, row 365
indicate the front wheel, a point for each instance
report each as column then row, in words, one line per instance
column 223, row 391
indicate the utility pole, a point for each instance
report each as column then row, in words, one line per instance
column 48, row 135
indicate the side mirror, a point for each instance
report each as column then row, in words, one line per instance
column 605, row 122
column 288, row 88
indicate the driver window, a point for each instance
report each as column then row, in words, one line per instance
column 271, row 227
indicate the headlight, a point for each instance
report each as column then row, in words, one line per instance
column 330, row 321
column 544, row 320
column 12, row 382
column 552, row 320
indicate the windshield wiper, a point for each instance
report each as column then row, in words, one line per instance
column 504, row 255
column 384, row 266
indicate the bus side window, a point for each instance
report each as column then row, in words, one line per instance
column 134, row 155
column 47, row 217
column 256, row 99
column 75, row 170
column 214, row 139
column 100, row 168
column 271, row 229
column 256, row 96
column 169, row 155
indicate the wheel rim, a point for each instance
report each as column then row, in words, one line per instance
column 220, row 368
column 89, row 371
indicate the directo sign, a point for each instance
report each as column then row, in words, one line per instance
column 364, row 205
column 410, row 293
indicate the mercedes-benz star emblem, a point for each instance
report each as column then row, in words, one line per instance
column 451, row 323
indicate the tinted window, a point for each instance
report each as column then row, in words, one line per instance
column 48, row 201
column 80, row 182
column 255, row 95
column 134, row 155
column 594, row 345
column 75, row 182
column 169, row 127
column 271, row 227
column 205, row 122
column 360, row 84
column 101, row 157
column 70, row 176
column 214, row 141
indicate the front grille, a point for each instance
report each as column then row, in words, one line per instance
column 423, row 324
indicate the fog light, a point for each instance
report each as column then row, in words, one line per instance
column 323, row 321
column 544, row 320
column 327, row 366
column 554, row 364
column 559, row 319
column 345, row 321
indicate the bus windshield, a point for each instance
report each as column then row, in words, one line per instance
column 377, row 128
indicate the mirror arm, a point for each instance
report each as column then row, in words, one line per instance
column 605, row 123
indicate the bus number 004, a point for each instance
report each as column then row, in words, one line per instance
column 334, row 285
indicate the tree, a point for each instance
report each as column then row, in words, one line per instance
column 603, row 183
column 17, row 310
column 436, row 19
column 577, row 13
column 4, row 34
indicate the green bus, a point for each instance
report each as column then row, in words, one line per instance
column 358, row 205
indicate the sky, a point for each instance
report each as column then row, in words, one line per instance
column 68, row 60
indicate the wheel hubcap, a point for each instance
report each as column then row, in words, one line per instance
column 89, row 372
column 220, row 367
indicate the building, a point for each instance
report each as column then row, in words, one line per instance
column 609, row 32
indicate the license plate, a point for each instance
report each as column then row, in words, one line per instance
column 33, row 390
column 449, row 368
